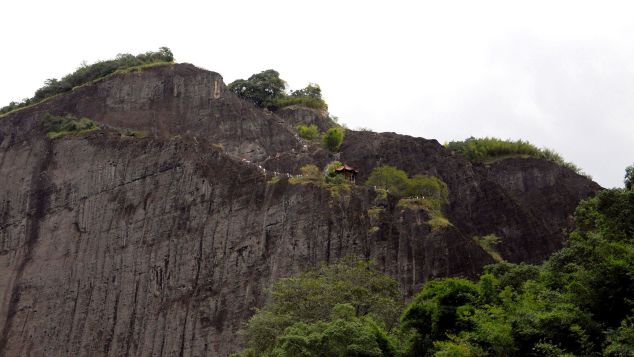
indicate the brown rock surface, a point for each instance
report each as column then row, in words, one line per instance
column 112, row 245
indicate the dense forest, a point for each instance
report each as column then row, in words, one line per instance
column 580, row 302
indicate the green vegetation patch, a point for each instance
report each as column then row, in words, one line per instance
column 308, row 132
column 578, row 303
column 308, row 174
column 57, row 126
column 337, row 185
column 489, row 243
column 123, row 63
column 267, row 90
column 487, row 149
column 130, row 133
column 273, row 180
column 305, row 101
column 397, row 183
column 375, row 211
column 340, row 190
column 420, row 191
column 438, row 221
column 333, row 310
column 333, row 138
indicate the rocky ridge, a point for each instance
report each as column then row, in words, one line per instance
column 115, row 245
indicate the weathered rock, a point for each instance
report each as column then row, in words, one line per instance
column 112, row 245
column 295, row 115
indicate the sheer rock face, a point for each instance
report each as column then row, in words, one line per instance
column 295, row 115
column 112, row 245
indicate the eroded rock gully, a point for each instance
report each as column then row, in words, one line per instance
column 111, row 245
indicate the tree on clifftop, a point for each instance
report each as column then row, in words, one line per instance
column 261, row 88
column 267, row 90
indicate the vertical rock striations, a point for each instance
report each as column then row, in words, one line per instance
column 115, row 245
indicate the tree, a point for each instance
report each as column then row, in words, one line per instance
column 166, row 54
column 629, row 177
column 261, row 88
column 333, row 138
column 439, row 309
column 310, row 297
column 430, row 187
column 330, row 173
column 342, row 334
column 312, row 90
column 621, row 341
column 389, row 178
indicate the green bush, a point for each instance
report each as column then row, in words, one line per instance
column 308, row 132
column 312, row 90
column 57, row 126
column 333, row 138
column 309, row 174
column 308, row 102
column 309, row 97
column 431, row 188
column 487, row 149
column 88, row 73
column 390, row 178
column 341, row 334
column 396, row 182
column 331, row 176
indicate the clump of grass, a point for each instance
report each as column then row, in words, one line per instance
column 416, row 203
column 381, row 194
column 487, row 149
column 438, row 221
column 375, row 211
column 58, row 126
column 308, row 132
column 339, row 190
column 309, row 174
column 134, row 133
column 273, row 180
column 142, row 67
column 304, row 101
column 489, row 243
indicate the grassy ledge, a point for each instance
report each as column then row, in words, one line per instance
column 90, row 74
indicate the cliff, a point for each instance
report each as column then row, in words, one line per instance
column 163, row 245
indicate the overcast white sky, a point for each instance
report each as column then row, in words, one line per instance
column 557, row 73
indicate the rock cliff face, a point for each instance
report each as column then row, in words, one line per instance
column 112, row 245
